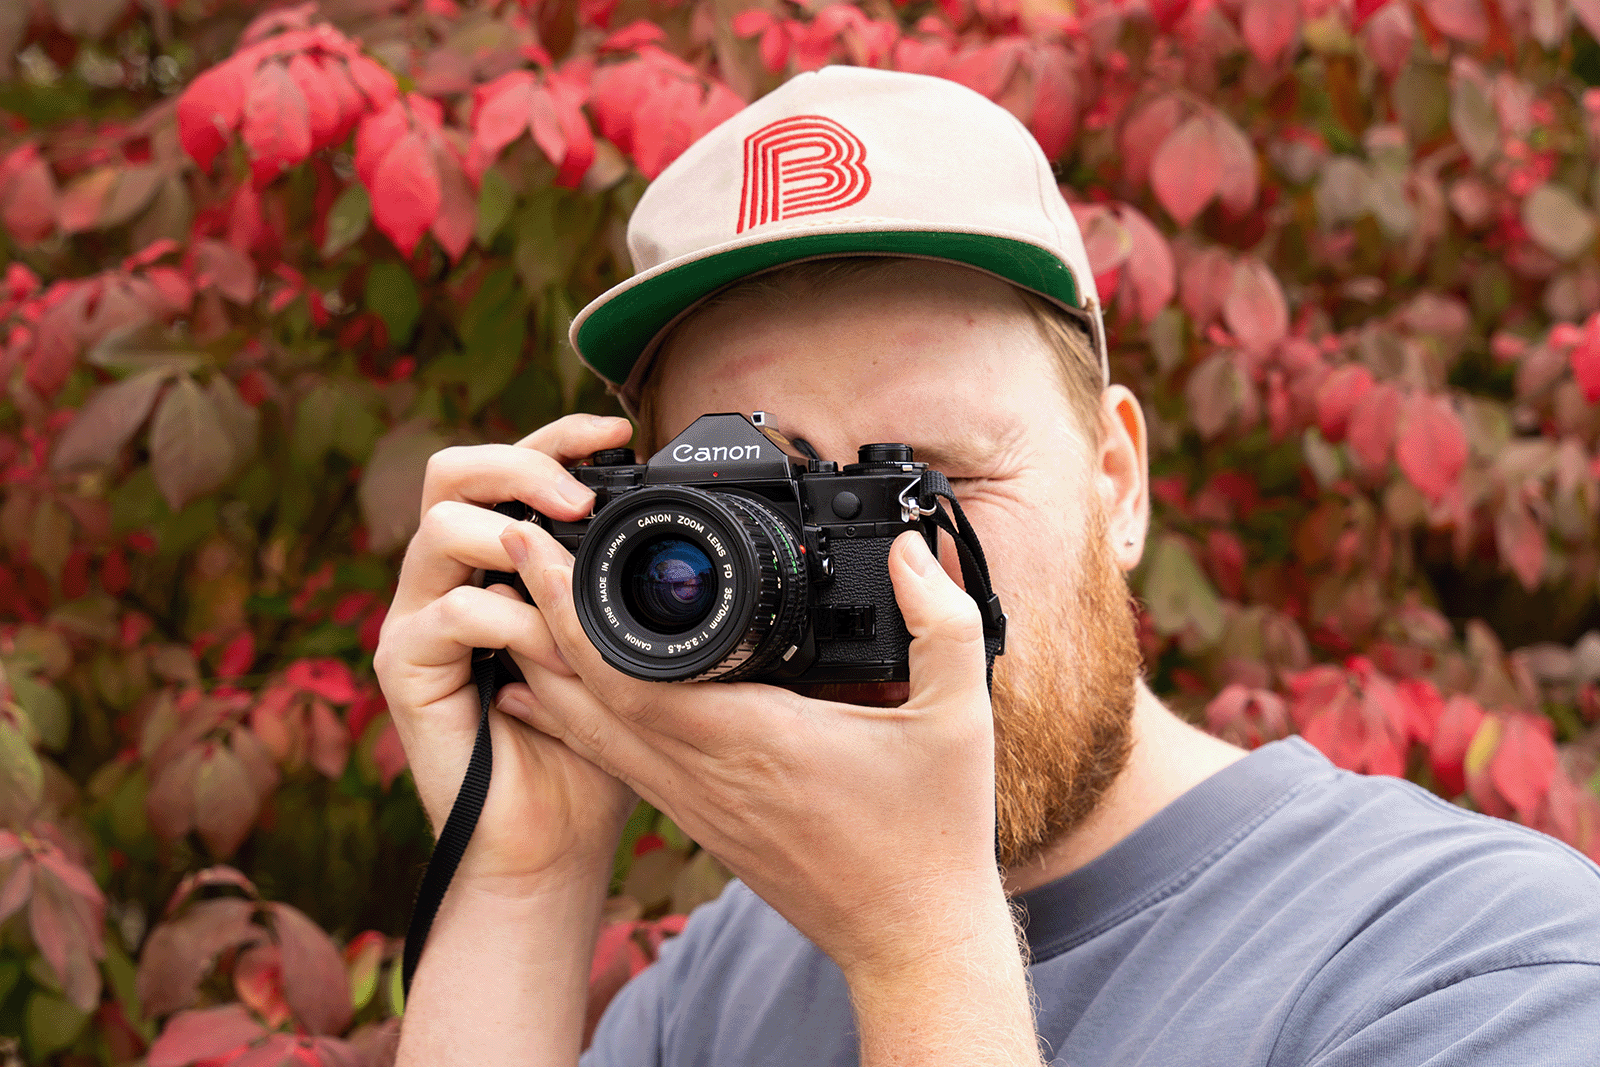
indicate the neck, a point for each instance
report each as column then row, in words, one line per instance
column 1168, row 758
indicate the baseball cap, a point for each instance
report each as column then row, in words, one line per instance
column 844, row 161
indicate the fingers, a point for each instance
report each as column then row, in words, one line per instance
column 696, row 714
column 532, row 471
column 565, row 709
column 946, row 658
column 467, row 617
column 454, row 540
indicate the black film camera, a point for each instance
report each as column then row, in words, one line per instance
column 726, row 557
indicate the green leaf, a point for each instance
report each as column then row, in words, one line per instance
column 392, row 295
column 335, row 416
column 10, row 974
column 397, row 992
column 1178, row 594
column 51, row 1024
column 124, row 981
column 47, row 710
column 494, row 330
column 496, row 198
column 21, row 777
column 347, row 220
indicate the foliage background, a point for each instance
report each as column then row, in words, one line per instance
column 261, row 260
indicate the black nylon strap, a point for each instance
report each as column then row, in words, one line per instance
column 488, row 675
column 458, row 827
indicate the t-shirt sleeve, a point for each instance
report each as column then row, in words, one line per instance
column 1546, row 1014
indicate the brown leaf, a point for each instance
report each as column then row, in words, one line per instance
column 170, row 802
column 227, row 269
column 314, row 980
column 391, row 486
column 81, row 201
column 190, row 453
column 179, row 953
column 107, row 421
column 87, row 18
column 134, row 189
column 226, row 805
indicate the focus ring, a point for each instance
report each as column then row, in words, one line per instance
column 780, row 595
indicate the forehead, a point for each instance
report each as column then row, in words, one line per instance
column 921, row 352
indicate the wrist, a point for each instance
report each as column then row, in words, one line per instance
column 934, row 936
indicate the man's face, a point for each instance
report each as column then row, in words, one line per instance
column 946, row 360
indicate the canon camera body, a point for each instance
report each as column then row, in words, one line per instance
column 727, row 557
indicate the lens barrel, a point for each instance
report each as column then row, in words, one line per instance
column 674, row 583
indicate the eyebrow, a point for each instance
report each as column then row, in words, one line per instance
column 968, row 451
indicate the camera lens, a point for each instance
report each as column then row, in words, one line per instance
column 674, row 583
column 667, row 584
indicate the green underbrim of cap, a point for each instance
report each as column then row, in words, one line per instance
column 614, row 335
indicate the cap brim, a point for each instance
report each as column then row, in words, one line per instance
column 613, row 332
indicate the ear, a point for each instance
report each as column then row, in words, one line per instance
column 1123, row 475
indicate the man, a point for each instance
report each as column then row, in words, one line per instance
column 1179, row 901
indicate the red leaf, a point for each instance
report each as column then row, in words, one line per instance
column 17, row 889
column 988, row 69
column 1364, row 10
column 1269, row 27
column 28, row 189
column 279, row 1050
column 1464, row 20
column 204, row 1035
column 1152, row 274
column 1145, row 133
column 330, row 741
column 1422, row 707
column 1168, row 13
column 1255, row 311
column 501, row 112
column 1187, row 170
column 1524, row 762
column 374, row 83
column 209, row 876
column 546, row 124
column 1337, row 398
column 210, row 108
column 226, row 805
column 660, row 132
column 324, row 109
column 1238, row 183
column 1206, row 281
column 1373, row 426
column 1520, row 539
column 179, row 953
column 1585, row 358
column 389, row 754
column 237, row 656
column 1054, row 116
column 277, row 124
column 190, row 450
column 329, row 679
column 1458, row 723
column 458, row 207
column 258, row 981
column 1433, row 447
column 633, row 36
column 405, row 192
column 376, row 135
column 314, row 981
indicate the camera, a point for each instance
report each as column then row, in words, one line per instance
column 726, row 556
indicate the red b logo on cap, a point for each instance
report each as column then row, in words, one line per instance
column 801, row 165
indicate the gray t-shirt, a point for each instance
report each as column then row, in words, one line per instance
column 1281, row 912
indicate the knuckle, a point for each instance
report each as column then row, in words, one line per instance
column 457, row 606
column 443, row 464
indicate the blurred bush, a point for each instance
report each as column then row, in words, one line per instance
column 261, row 261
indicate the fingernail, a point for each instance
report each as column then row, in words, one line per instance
column 918, row 556
column 506, row 700
column 511, row 538
column 602, row 422
column 576, row 494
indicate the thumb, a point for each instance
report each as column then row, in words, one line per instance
column 946, row 658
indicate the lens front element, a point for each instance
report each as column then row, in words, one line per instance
column 667, row 585
column 674, row 583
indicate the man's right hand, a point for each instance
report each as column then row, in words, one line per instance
column 549, row 814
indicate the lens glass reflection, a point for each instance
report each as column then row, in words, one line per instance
column 667, row 585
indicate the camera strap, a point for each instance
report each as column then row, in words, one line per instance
column 489, row 676
column 974, row 567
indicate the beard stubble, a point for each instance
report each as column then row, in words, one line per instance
column 1063, row 711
